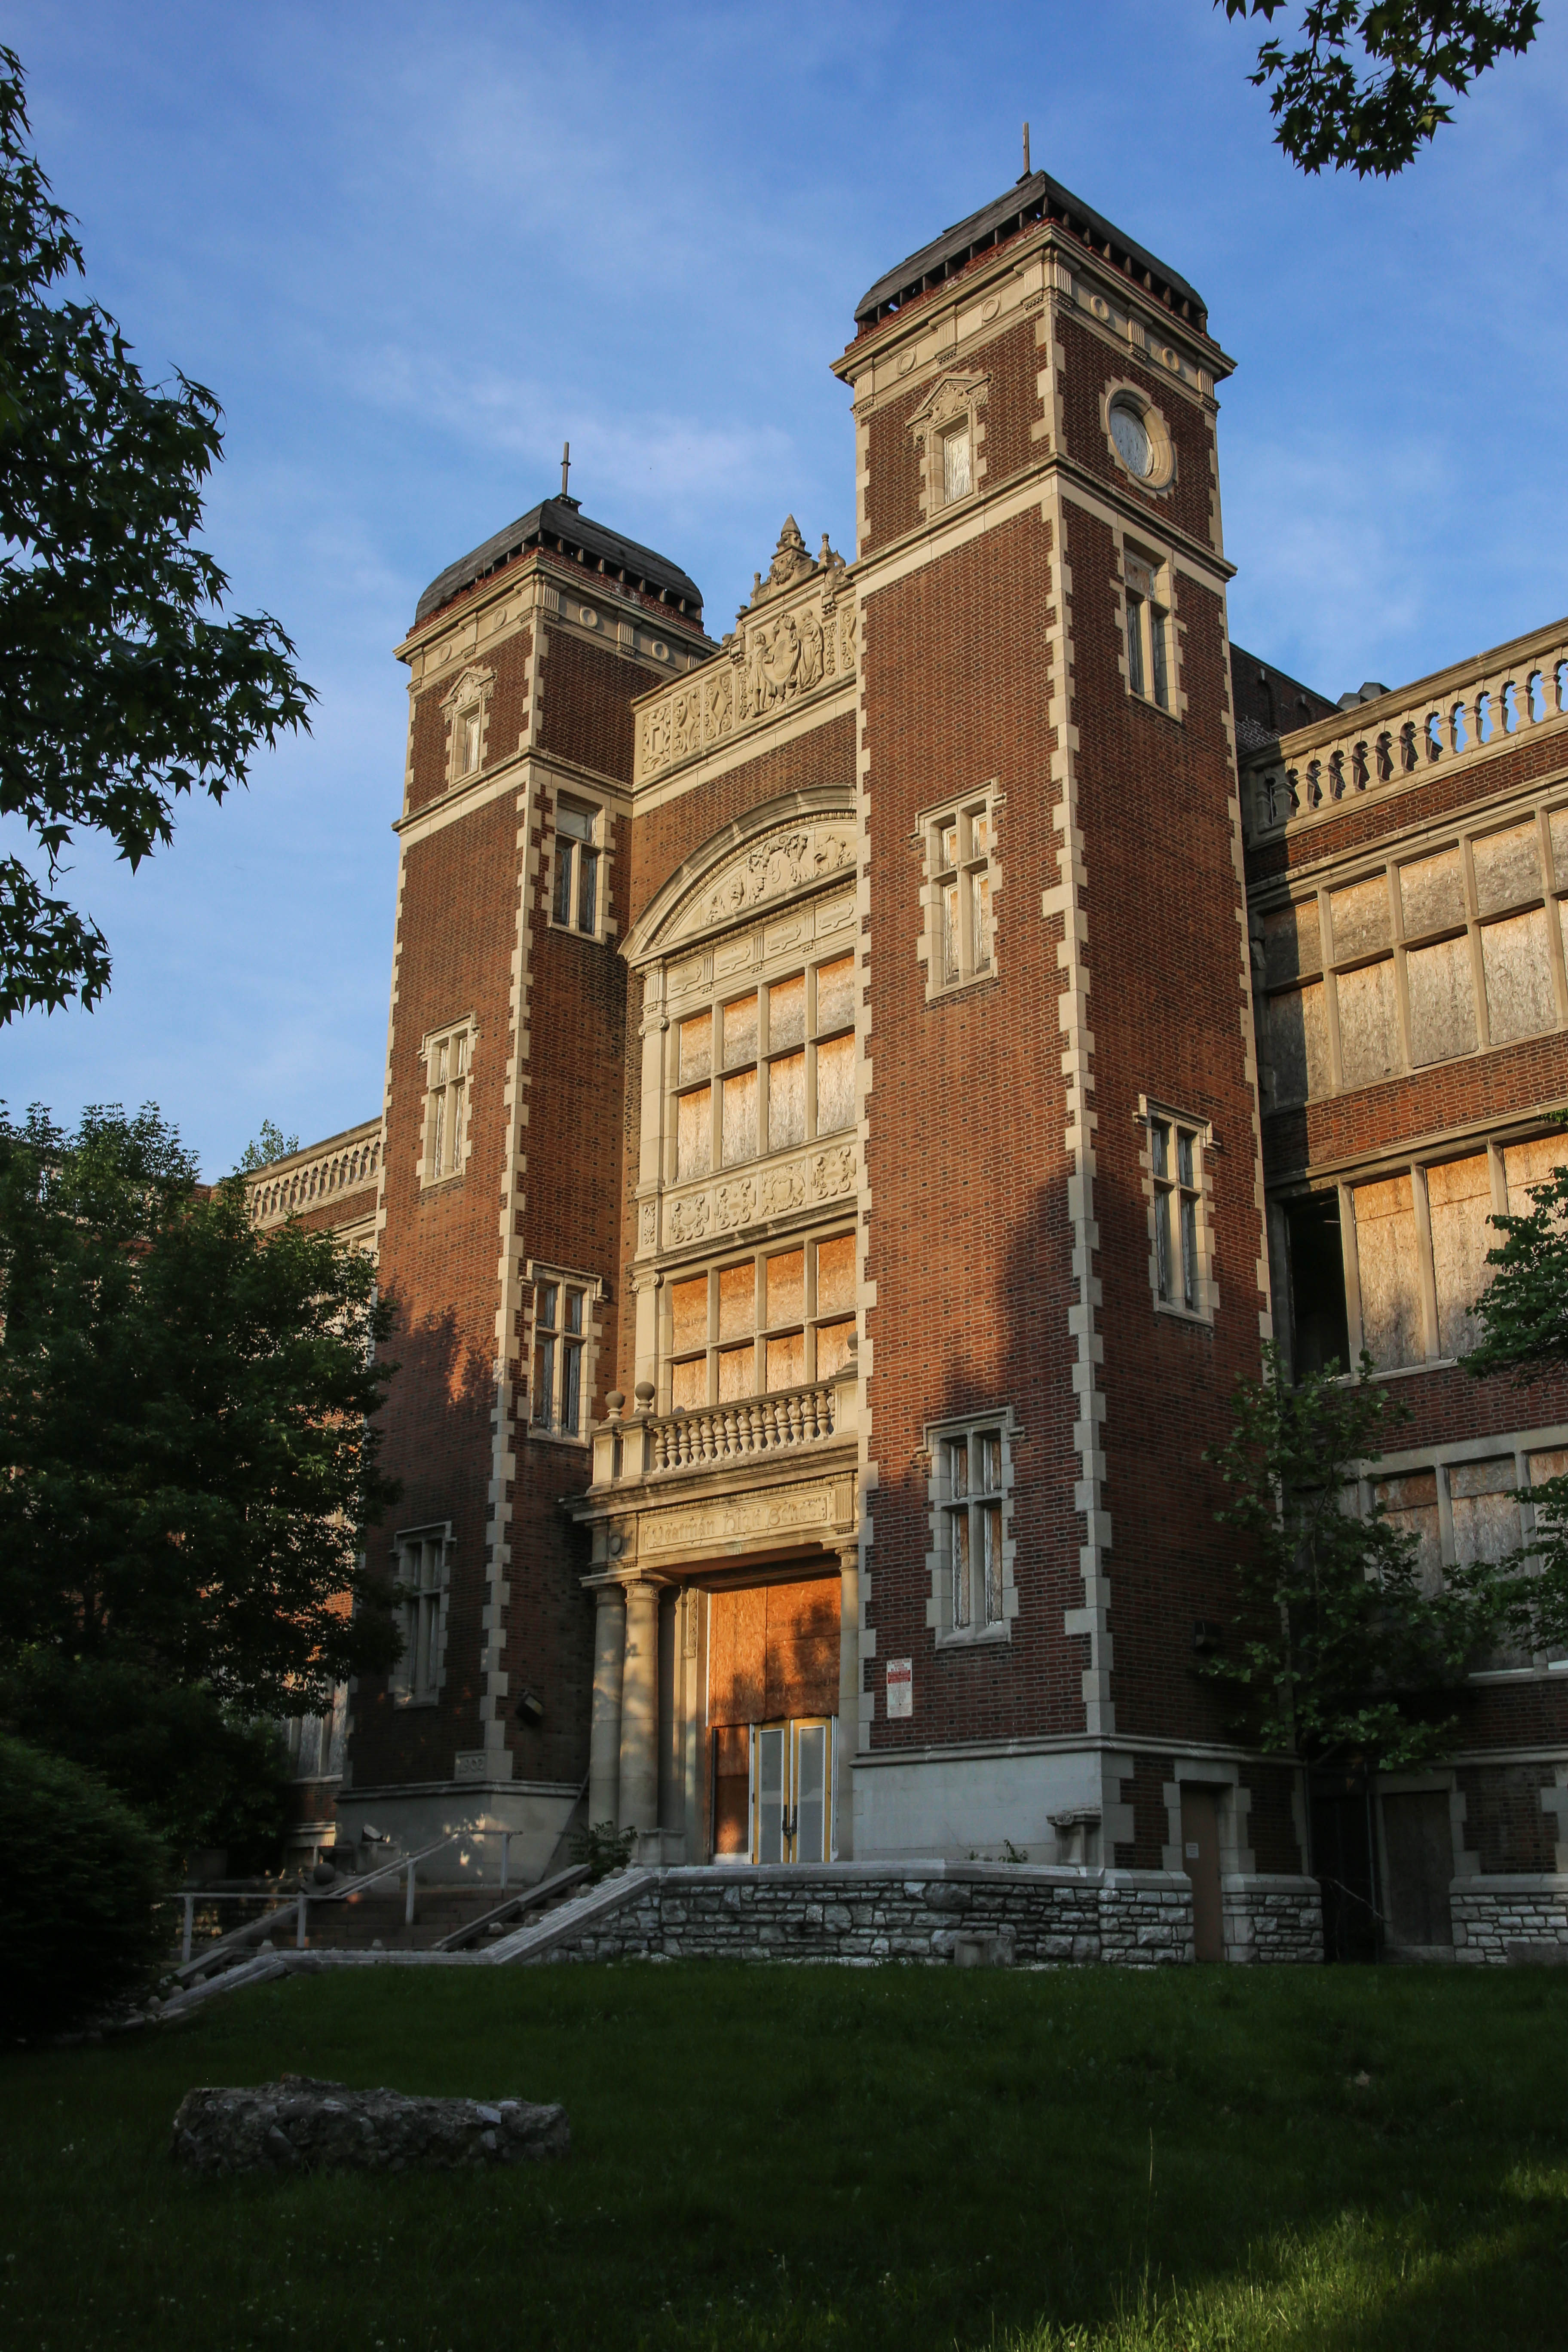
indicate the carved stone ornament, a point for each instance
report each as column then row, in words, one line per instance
column 951, row 396
column 829, row 1171
column 796, row 858
column 723, row 1523
column 469, row 685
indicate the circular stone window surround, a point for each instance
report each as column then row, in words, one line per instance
column 1162, row 471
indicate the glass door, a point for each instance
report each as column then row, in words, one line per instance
column 792, row 1791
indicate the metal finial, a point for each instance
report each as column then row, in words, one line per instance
column 1027, row 166
column 566, row 446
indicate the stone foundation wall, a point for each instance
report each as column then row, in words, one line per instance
column 1272, row 1920
column 866, row 1912
column 1509, row 1919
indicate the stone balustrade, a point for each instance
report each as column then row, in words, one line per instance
column 702, row 1437
column 1463, row 714
column 349, row 1162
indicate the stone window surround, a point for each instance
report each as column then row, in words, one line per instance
column 809, row 1321
column 1161, row 563
column 1152, row 1107
column 959, row 394
column 1415, row 1164
column 604, row 826
column 1121, row 390
column 1402, row 851
column 472, row 687
column 939, row 1606
column 732, row 987
column 446, row 1034
column 596, row 1293
column 987, row 796
column 401, row 1692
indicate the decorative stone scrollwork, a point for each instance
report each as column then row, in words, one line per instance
column 833, row 1172
column 648, row 1224
column 735, row 1205
column 783, row 1189
column 689, row 1218
column 781, row 862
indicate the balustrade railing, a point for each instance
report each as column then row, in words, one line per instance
column 648, row 1445
column 1456, row 716
column 348, row 1163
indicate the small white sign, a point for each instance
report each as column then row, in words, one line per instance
column 901, row 1687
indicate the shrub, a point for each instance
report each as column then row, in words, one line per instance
column 80, row 1873
column 602, row 1848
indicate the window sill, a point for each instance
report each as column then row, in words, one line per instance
column 407, row 1703
column 979, row 1637
column 538, row 1435
column 442, row 1184
column 1147, row 702
column 572, row 931
column 1194, row 1316
column 941, row 992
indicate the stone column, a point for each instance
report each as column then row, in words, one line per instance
column 848, row 1738
column 605, row 1739
column 639, row 1710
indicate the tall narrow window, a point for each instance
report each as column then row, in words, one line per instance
column 1148, row 620
column 973, row 1512
column 576, row 902
column 445, row 1103
column 1175, row 1168
column 421, row 1576
column 959, row 852
column 957, row 471
column 558, row 1337
column 469, row 741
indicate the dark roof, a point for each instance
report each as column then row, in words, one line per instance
column 1269, row 702
column 556, row 523
column 1036, row 198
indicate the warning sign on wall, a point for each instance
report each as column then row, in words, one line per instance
column 901, row 1687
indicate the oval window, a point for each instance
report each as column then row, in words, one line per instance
column 1131, row 436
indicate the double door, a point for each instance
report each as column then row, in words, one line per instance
column 790, row 1790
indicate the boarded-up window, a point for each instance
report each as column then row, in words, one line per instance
column 787, row 1102
column 740, row 1117
column 1486, row 1516
column 697, row 1046
column 1442, row 984
column 1292, row 941
column 694, row 1133
column 1369, row 1024
column 835, row 1274
column 689, row 1313
column 786, row 1288
column 786, row 1013
column 1520, row 998
column 737, row 1375
column 1543, row 1466
column 1432, row 893
column 1508, row 868
column 737, row 1300
column 835, row 1085
column 1558, row 824
column 772, row 1653
column 1535, row 1162
column 1299, row 1043
column 731, row 1785
column 740, row 1023
column 1459, row 1195
column 836, row 993
column 1410, row 1503
column 1359, row 918
column 1390, row 1272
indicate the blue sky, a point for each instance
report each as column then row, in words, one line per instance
column 413, row 248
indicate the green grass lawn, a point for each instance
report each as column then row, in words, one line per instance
column 821, row 2157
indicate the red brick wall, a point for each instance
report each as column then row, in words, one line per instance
column 586, row 698
column 1087, row 365
column 429, row 771
column 1013, row 361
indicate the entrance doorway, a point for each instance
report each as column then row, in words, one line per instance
column 1200, row 1859
column 785, row 1812
column 1418, row 1852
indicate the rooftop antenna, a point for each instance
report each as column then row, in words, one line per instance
column 566, row 446
column 1026, row 173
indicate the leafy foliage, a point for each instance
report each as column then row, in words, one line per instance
column 187, row 1445
column 1524, row 1319
column 122, row 688
column 1350, row 1654
column 269, row 1145
column 603, row 1848
column 1362, row 90
column 81, row 1872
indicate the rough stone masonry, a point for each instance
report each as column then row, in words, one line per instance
column 300, row 2125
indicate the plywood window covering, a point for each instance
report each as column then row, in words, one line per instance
column 774, row 1319
column 576, row 903
column 765, row 1071
column 421, row 1572
column 960, row 859
column 773, row 1651
column 1148, row 628
column 1422, row 960
column 446, row 1056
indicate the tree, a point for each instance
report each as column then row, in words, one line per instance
column 1524, row 1320
column 188, row 1456
column 1363, row 89
column 269, row 1145
column 120, row 688
column 81, row 1873
column 1344, row 1652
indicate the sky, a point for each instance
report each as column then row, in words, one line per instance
column 412, row 249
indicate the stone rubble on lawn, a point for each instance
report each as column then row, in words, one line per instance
column 300, row 2125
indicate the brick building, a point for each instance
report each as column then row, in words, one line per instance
column 822, row 1181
